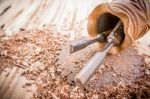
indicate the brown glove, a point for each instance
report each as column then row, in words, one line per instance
column 135, row 15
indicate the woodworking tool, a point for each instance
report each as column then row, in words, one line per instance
column 113, row 39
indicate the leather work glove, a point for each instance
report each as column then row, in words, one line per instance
column 135, row 15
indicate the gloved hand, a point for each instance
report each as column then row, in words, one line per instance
column 135, row 15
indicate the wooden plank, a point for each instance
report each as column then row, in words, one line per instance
column 3, row 76
column 8, row 81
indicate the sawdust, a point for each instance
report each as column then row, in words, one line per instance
column 44, row 54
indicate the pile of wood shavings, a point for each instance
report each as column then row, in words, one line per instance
column 38, row 51
column 29, row 47
column 5, row 59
